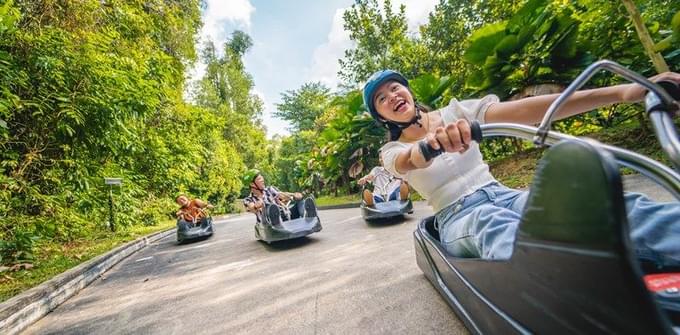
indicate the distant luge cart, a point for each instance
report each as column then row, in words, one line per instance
column 271, row 228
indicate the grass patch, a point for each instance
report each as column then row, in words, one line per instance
column 339, row 200
column 328, row 200
column 52, row 258
column 516, row 171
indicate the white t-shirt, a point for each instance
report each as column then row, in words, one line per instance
column 383, row 181
column 451, row 176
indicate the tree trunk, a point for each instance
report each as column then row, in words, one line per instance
column 647, row 42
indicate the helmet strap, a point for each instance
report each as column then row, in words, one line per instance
column 415, row 120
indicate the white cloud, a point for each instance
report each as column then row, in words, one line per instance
column 220, row 19
column 325, row 64
column 221, row 16
column 417, row 12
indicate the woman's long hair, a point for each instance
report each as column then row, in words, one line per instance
column 394, row 131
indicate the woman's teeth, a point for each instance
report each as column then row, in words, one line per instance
column 398, row 105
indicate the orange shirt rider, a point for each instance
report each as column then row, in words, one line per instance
column 190, row 211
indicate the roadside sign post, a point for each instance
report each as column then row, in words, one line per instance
column 111, row 182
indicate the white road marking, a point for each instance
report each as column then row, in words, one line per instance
column 238, row 218
column 144, row 259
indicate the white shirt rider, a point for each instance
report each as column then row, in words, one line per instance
column 384, row 183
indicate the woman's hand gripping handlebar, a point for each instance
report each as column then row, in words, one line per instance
column 442, row 141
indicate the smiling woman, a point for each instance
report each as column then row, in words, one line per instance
column 476, row 215
column 396, row 99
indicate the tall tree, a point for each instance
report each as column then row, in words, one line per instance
column 91, row 89
column 380, row 36
column 645, row 38
column 226, row 89
column 303, row 106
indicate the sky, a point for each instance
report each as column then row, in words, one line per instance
column 294, row 42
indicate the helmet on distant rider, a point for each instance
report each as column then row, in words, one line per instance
column 249, row 176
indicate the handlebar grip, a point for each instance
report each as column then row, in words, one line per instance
column 672, row 88
column 654, row 103
column 476, row 131
column 429, row 152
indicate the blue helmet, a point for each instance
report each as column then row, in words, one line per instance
column 374, row 83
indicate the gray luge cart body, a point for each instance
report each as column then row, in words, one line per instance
column 385, row 210
column 270, row 229
column 188, row 231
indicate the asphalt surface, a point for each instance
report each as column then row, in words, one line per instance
column 350, row 278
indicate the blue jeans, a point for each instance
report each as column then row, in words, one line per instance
column 484, row 223
column 393, row 196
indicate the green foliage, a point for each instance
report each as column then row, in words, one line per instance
column 429, row 89
column 92, row 89
column 293, row 156
column 19, row 248
column 304, row 106
column 607, row 32
column 538, row 44
column 672, row 41
column 381, row 41
column 351, row 137
column 226, row 91
column 445, row 35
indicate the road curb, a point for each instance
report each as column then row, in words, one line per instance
column 341, row 206
column 19, row 312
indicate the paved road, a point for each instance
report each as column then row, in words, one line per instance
column 351, row 278
column 639, row 183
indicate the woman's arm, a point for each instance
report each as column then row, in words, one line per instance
column 455, row 136
column 531, row 110
column 285, row 196
column 410, row 159
column 369, row 177
column 252, row 205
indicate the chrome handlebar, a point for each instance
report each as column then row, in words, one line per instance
column 661, row 174
column 661, row 119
